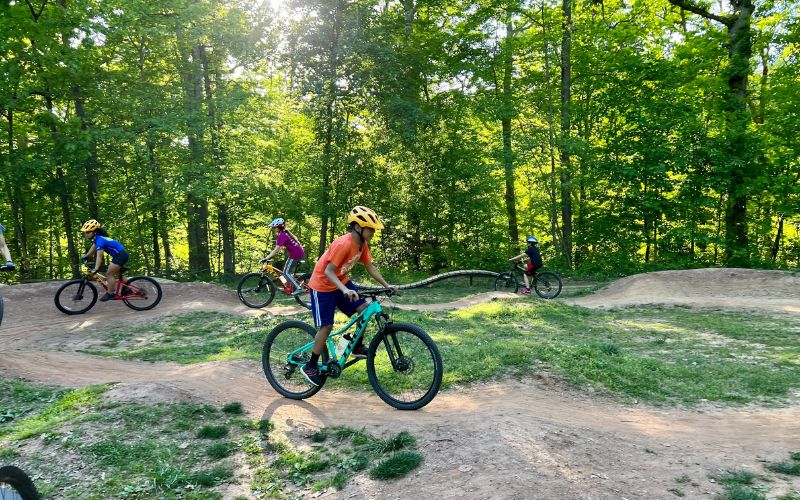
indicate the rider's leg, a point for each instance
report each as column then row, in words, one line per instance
column 111, row 277
column 288, row 271
column 6, row 253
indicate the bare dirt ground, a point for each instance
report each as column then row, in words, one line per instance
column 505, row 439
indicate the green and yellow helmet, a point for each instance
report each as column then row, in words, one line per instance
column 365, row 217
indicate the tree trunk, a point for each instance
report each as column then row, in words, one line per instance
column 553, row 184
column 90, row 162
column 507, row 113
column 196, row 200
column 740, row 47
column 566, row 101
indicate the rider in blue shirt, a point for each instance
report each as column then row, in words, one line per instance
column 101, row 244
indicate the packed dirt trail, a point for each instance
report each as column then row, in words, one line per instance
column 529, row 438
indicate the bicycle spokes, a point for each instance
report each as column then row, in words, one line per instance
column 406, row 367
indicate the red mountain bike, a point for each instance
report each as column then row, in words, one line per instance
column 258, row 289
column 77, row 296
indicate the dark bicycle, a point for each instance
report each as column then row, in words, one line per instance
column 546, row 284
column 257, row 290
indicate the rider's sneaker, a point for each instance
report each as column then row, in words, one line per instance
column 106, row 297
column 525, row 291
column 360, row 351
column 312, row 374
column 8, row 266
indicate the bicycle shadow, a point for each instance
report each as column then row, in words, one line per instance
column 292, row 416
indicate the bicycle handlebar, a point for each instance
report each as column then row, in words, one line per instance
column 376, row 292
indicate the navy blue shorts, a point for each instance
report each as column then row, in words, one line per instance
column 324, row 305
column 121, row 258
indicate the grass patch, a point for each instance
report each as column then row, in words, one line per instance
column 212, row 432
column 397, row 465
column 129, row 450
column 662, row 355
column 233, row 408
column 789, row 468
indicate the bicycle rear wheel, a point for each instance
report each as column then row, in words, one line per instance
column 76, row 297
column 547, row 285
column 284, row 374
column 304, row 299
column 255, row 291
column 146, row 293
column 16, row 485
column 404, row 366
column 506, row 282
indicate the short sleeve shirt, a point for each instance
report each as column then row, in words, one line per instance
column 110, row 246
column 343, row 253
column 535, row 255
column 293, row 247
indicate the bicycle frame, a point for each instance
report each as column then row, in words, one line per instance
column 361, row 319
column 277, row 273
column 134, row 292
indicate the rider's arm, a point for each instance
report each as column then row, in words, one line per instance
column 273, row 252
column 523, row 254
column 98, row 261
column 376, row 275
column 330, row 273
column 92, row 250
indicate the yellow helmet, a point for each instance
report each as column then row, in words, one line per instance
column 364, row 217
column 90, row 225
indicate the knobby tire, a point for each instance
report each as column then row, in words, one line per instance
column 65, row 296
column 151, row 290
column 252, row 284
column 15, row 484
column 404, row 366
column 285, row 377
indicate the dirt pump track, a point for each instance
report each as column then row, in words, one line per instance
column 504, row 439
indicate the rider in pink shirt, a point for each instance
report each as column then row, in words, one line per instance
column 293, row 248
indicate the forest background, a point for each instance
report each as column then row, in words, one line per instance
column 626, row 135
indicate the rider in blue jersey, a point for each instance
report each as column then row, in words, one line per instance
column 101, row 244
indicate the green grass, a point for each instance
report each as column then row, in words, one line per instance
column 398, row 465
column 107, row 449
column 132, row 450
column 661, row 355
column 790, row 468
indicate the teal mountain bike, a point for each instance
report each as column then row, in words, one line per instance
column 403, row 363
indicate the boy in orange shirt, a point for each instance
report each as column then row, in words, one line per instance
column 331, row 289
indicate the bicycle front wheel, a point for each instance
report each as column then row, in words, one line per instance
column 16, row 485
column 404, row 366
column 547, row 285
column 282, row 364
column 76, row 297
column 143, row 293
column 255, row 291
column 506, row 282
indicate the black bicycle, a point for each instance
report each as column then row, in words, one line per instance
column 257, row 290
column 546, row 284
column 16, row 485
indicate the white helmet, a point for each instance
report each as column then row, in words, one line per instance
column 277, row 222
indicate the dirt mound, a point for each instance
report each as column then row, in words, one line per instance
column 719, row 288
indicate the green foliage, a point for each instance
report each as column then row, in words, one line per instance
column 398, row 465
column 212, row 120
